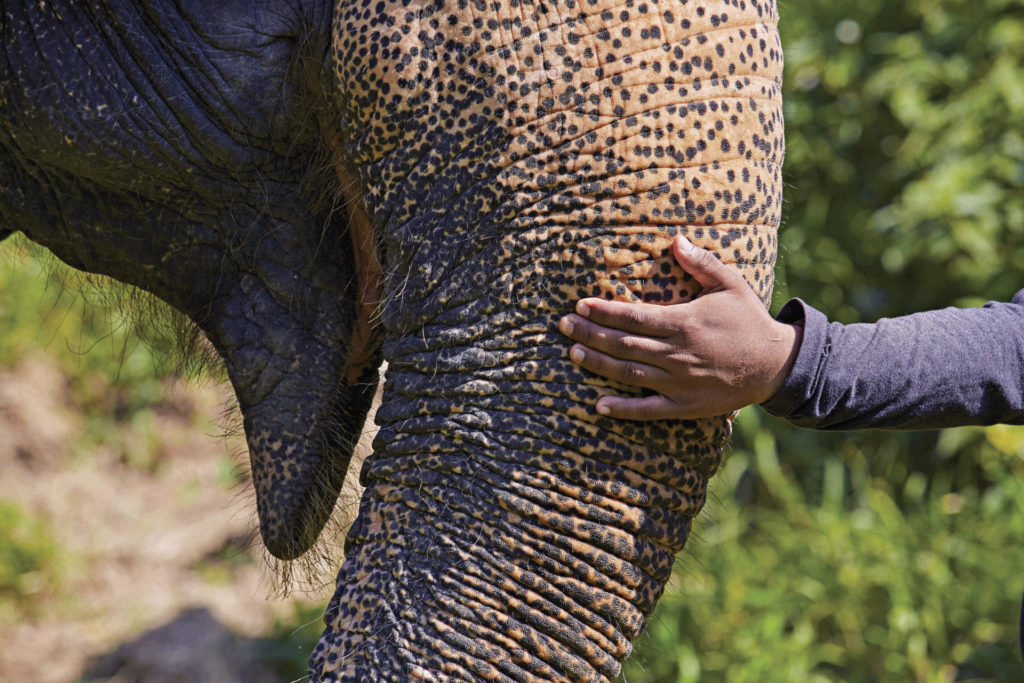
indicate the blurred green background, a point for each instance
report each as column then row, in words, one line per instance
column 820, row 557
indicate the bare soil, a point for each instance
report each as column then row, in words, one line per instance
column 158, row 558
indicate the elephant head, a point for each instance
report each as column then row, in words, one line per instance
column 502, row 159
column 178, row 147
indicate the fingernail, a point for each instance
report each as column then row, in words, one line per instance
column 577, row 355
column 684, row 244
column 603, row 408
column 565, row 325
column 582, row 309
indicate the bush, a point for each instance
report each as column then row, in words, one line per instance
column 854, row 587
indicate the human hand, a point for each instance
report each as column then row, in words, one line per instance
column 709, row 356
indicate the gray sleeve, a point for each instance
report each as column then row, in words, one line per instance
column 928, row 370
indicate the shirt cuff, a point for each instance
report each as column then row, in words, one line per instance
column 814, row 349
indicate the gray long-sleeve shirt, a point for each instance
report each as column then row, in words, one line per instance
column 928, row 370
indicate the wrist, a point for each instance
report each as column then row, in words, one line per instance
column 784, row 344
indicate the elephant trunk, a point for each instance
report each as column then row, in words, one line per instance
column 507, row 531
column 515, row 157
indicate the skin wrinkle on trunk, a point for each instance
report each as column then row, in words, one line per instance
column 516, row 156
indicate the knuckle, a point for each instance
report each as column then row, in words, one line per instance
column 628, row 344
column 591, row 361
column 623, row 411
column 633, row 372
column 605, row 366
column 612, row 369
column 581, row 330
column 705, row 258
column 626, row 317
column 683, row 328
column 599, row 340
column 634, row 316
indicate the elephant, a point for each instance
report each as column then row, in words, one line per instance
column 320, row 187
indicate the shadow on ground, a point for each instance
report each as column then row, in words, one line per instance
column 195, row 647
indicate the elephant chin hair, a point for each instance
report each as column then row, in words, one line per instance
column 183, row 348
column 316, row 567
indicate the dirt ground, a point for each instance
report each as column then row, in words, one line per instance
column 157, row 558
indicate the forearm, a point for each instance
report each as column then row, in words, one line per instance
column 928, row 370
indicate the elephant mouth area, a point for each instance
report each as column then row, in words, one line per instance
column 298, row 477
column 302, row 357
column 301, row 436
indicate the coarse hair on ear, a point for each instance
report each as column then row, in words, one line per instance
column 180, row 349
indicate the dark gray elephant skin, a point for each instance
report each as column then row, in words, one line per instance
column 501, row 160
column 177, row 149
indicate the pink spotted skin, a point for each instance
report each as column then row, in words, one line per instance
column 514, row 157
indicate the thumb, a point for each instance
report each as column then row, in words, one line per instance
column 711, row 273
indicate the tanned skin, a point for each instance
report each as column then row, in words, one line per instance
column 709, row 356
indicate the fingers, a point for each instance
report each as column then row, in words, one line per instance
column 613, row 342
column 646, row 319
column 655, row 407
column 657, row 320
column 711, row 273
column 625, row 371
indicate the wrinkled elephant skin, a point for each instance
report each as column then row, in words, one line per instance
column 177, row 149
column 501, row 159
column 516, row 156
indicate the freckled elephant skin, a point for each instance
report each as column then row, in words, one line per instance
column 515, row 156
column 501, row 159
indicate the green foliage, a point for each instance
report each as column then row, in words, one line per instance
column 93, row 329
column 905, row 186
column 28, row 557
column 85, row 322
column 905, row 154
column 856, row 586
